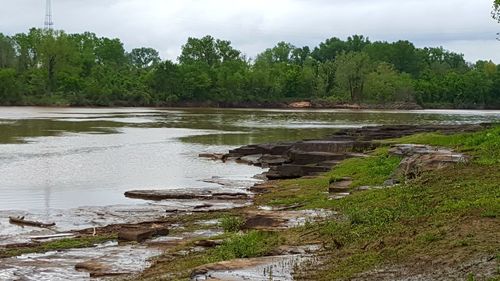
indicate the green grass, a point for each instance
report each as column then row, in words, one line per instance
column 231, row 223
column 311, row 193
column 450, row 215
column 485, row 145
column 236, row 245
column 249, row 245
column 370, row 171
column 451, row 212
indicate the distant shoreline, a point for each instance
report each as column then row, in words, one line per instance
column 274, row 105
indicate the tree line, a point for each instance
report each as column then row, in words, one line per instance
column 45, row 67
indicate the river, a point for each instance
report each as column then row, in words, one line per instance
column 62, row 158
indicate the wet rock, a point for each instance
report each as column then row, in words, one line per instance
column 109, row 259
column 272, row 160
column 308, row 158
column 277, row 268
column 290, row 171
column 270, row 148
column 92, row 267
column 333, row 146
column 250, row 159
column 132, row 234
column 204, row 193
column 208, row 243
column 203, row 206
column 299, row 157
column 212, row 156
column 274, row 219
column 135, row 235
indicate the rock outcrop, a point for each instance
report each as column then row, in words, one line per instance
column 309, row 158
column 419, row 159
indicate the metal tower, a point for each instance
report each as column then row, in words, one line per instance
column 49, row 24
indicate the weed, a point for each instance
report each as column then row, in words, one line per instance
column 231, row 223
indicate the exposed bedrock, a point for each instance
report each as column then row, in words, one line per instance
column 418, row 159
column 198, row 193
column 308, row 158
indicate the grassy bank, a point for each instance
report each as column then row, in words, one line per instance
column 440, row 221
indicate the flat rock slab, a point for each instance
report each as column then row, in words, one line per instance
column 105, row 260
column 340, row 186
column 277, row 268
column 334, row 146
column 291, row 171
column 274, row 220
column 139, row 234
column 199, row 193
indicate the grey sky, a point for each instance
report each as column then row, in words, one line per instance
column 463, row 26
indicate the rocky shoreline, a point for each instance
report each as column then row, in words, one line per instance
column 287, row 160
column 312, row 157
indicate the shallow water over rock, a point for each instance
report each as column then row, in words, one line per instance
column 58, row 266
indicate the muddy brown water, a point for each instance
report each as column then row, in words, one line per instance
column 61, row 158
column 72, row 166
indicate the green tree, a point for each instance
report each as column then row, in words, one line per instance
column 110, row 51
column 325, row 79
column 7, row 52
column 9, row 87
column 351, row 72
column 496, row 10
column 166, row 83
column 143, row 58
column 385, row 84
column 209, row 51
column 329, row 49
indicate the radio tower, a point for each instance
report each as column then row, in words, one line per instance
column 49, row 24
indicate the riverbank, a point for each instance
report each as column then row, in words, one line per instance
column 292, row 104
column 359, row 219
column 285, row 104
column 438, row 225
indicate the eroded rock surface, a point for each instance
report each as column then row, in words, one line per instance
column 277, row 268
column 419, row 159
column 270, row 219
column 104, row 260
column 192, row 193
column 309, row 158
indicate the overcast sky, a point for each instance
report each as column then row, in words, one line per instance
column 464, row 26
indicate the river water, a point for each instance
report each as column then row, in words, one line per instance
column 63, row 158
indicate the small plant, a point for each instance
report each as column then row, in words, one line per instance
column 248, row 245
column 231, row 223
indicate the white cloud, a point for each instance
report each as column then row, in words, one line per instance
column 252, row 25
